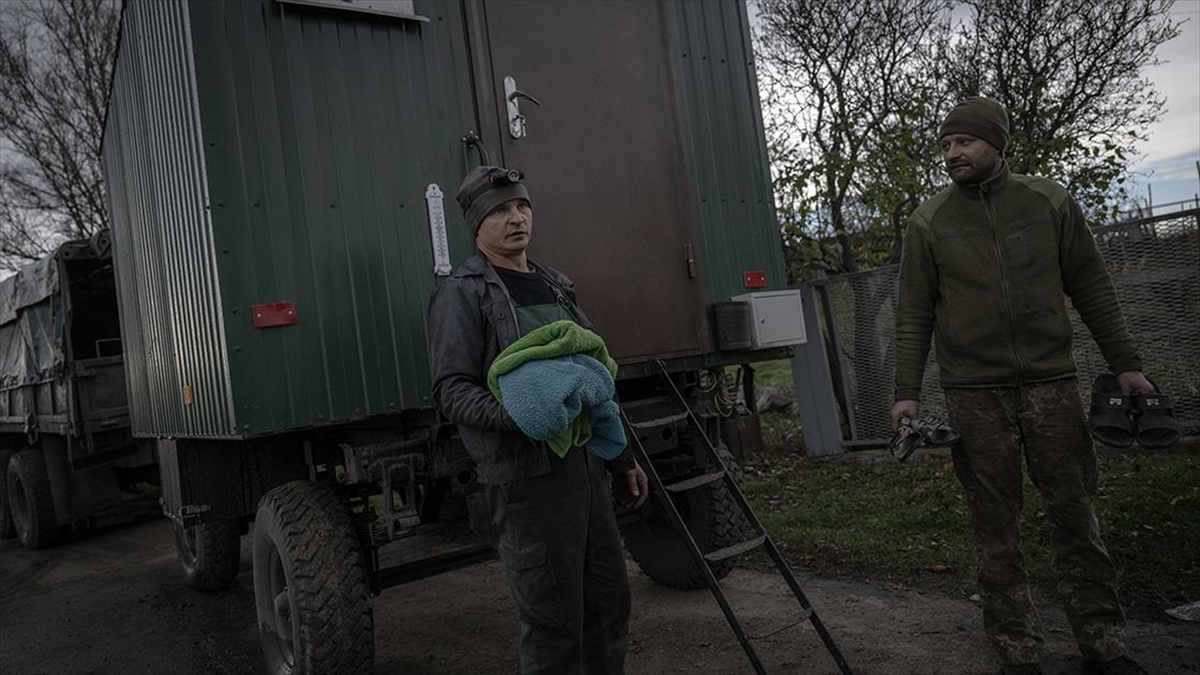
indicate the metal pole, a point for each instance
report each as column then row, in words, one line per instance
column 835, row 335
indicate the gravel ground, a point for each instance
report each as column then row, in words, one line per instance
column 114, row 602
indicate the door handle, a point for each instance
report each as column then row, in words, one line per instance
column 512, row 96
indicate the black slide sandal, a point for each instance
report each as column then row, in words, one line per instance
column 1109, row 419
column 1154, row 420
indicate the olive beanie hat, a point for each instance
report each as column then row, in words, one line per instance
column 487, row 187
column 980, row 117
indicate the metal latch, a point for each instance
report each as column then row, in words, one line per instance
column 394, row 469
column 516, row 121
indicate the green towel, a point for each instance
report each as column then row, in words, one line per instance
column 560, row 338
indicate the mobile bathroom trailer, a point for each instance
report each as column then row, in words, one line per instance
column 281, row 175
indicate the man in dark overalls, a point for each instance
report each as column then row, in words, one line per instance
column 558, row 535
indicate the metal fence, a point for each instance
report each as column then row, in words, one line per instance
column 1155, row 266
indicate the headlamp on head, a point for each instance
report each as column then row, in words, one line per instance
column 505, row 177
column 498, row 178
column 487, row 187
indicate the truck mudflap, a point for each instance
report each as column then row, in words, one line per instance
column 209, row 481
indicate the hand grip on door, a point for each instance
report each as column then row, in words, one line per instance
column 516, row 121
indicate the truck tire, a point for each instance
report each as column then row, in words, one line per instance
column 310, row 584
column 30, row 501
column 713, row 518
column 209, row 554
column 7, row 530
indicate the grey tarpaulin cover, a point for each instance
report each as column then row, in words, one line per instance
column 31, row 319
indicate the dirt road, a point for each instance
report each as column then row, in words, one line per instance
column 114, row 603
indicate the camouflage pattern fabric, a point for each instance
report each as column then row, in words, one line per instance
column 566, row 567
column 1044, row 422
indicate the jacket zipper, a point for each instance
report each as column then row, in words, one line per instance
column 512, row 313
column 512, row 308
column 1005, row 287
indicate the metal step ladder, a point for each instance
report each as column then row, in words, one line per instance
column 662, row 492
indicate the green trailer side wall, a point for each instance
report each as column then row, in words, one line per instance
column 259, row 152
column 738, row 227
column 162, row 235
column 322, row 129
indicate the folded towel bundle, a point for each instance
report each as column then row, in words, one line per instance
column 557, row 384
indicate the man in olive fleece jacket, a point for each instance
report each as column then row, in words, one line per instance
column 985, row 267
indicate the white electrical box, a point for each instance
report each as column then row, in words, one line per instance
column 776, row 317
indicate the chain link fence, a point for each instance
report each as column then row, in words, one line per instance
column 1155, row 266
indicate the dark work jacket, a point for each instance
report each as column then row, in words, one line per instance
column 472, row 319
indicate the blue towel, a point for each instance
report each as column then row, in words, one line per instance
column 544, row 397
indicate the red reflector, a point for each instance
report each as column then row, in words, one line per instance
column 274, row 314
column 755, row 279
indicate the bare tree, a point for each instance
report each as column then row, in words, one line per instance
column 56, row 60
column 853, row 91
column 849, row 88
column 846, row 86
column 1070, row 74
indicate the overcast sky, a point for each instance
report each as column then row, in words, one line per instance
column 1170, row 166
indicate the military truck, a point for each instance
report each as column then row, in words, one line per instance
column 279, row 174
column 66, row 447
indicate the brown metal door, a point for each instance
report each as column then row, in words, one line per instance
column 604, row 159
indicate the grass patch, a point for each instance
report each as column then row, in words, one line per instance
column 864, row 516
column 774, row 373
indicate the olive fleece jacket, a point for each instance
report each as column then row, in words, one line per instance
column 985, row 268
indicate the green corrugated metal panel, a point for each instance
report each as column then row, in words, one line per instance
column 162, row 234
column 738, row 227
column 261, row 152
column 322, row 129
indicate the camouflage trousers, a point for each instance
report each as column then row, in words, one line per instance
column 1044, row 422
column 565, row 565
